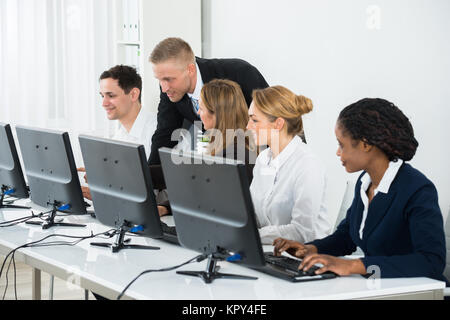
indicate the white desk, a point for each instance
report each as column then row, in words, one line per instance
column 106, row 273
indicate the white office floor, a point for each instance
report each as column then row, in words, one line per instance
column 61, row 290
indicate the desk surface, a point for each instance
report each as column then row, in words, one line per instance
column 107, row 273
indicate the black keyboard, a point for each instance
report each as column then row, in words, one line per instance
column 170, row 230
column 169, row 233
column 288, row 264
column 286, row 268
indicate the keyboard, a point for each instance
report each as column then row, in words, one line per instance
column 168, row 229
column 287, row 268
column 288, row 263
column 169, row 233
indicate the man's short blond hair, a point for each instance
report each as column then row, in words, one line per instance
column 172, row 48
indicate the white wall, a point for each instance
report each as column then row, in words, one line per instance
column 336, row 52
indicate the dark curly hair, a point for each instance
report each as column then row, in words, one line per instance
column 380, row 123
column 126, row 76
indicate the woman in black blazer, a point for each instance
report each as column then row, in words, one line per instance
column 394, row 217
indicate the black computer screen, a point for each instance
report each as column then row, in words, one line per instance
column 50, row 168
column 211, row 205
column 120, row 184
column 11, row 174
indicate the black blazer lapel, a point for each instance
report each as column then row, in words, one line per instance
column 377, row 210
column 186, row 109
column 356, row 218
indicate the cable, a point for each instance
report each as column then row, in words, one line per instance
column 196, row 259
column 10, row 223
column 11, row 198
column 15, row 287
column 38, row 243
column 15, row 279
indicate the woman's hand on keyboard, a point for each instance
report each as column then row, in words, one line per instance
column 342, row 267
column 292, row 247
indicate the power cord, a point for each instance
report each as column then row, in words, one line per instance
column 9, row 199
column 195, row 259
column 10, row 223
column 38, row 243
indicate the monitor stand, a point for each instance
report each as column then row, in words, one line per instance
column 211, row 273
column 8, row 206
column 120, row 242
column 50, row 221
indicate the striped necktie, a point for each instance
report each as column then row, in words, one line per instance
column 195, row 104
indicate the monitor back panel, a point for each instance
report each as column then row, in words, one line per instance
column 120, row 183
column 50, row 168
column 11, row 174
column 212, row 207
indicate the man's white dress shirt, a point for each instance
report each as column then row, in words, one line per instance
column 141, row 132
column 198, row 87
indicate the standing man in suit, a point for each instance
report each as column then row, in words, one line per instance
column 181, row 76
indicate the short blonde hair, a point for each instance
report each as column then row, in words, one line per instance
column 172, row 48
column 280, row 102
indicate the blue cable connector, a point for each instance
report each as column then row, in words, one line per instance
column 234, row 257
column 63, row 207
column 137, row 229
column 8, row 192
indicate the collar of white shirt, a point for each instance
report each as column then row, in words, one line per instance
column 284, row 155
column 387, row 179
column 198, row 86
column 138, row 125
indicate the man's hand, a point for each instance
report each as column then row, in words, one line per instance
column 86, row 193
column 81, row 169
column 162, row 211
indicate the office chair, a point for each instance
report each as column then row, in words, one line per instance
column 447, row 245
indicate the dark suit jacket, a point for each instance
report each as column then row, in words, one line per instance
column 403, row 234
column 171, row 116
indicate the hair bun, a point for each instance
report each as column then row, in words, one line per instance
column 304, row 104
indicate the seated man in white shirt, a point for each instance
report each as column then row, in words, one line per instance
column 120, row 88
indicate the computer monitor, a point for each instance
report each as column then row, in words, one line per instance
column 12, row 181
column 52, row 175
column 212, row 209
column 121, row 188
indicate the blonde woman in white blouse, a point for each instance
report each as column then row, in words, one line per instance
column 289, row 182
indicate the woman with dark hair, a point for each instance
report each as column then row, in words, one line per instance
column 394, row 217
